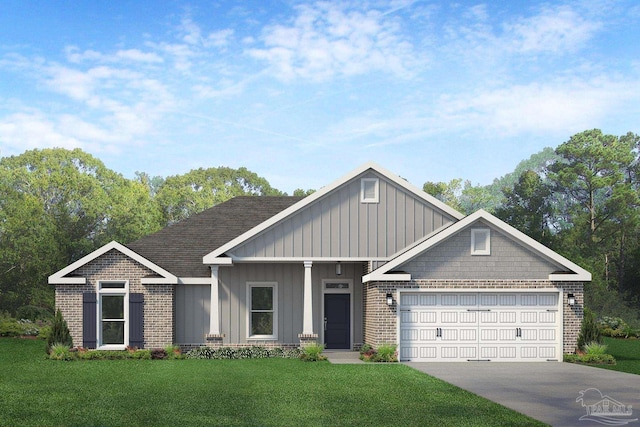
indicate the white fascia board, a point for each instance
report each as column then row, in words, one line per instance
column 194, row 280
column 580, row 273
column 397, row 277
column 209, row 258
column 220, row 261
column 303, row 259
column 59, row 279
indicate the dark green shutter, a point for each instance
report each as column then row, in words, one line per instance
column 136, row 320
column 89, row 320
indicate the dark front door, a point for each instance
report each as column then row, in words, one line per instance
column 337, row 321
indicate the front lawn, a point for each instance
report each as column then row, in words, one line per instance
column 35, row 391
column 626, row 353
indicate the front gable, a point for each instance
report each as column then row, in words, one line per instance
column 68, row 276
column 368, row 215
column 479, row 247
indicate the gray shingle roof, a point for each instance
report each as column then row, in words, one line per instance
column 179, row 248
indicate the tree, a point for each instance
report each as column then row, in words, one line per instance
column 184, row 195
column 59, row 332
column 527, row 208
column 446, row 192
column 56, row 206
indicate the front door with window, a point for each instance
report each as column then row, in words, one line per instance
column 337, row 321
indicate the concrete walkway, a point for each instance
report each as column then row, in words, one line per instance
column 343, row 356
column 545, row 391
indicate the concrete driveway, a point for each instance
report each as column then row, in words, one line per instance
column 546, row 391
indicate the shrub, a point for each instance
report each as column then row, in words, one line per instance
column 158, row 353
column 174, row 352
column 59, row 332
column 590, row 359
column 386, row 353
column 255, row 352
column 10, row 328
column 595, row 348
column 60, row 352
column 589, row 331
column 313, row 353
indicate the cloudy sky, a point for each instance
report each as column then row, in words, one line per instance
column 303, row 92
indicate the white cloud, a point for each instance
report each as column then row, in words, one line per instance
column 556, row 30
column 74, row 56
column 326, row 40
column 22, row 131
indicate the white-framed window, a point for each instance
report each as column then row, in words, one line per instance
column 369, row 190
column 480, row 241
column 113, row 314
column 262, row 301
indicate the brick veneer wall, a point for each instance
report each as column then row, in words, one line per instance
column 159, row 299
column 380, row 320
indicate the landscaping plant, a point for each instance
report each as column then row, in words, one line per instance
column 589, row 331
column 59, row 333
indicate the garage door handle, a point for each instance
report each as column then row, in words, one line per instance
column 477, row 309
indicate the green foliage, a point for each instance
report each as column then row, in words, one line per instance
column 33, row 313
column 181, row 196
column 590, row 359
column 10, row 327
column 589, row 331
column 59, row 332
column 595, row 348
column 60, row 352
column 254, row 352
column 313, row 353
column 384, row 353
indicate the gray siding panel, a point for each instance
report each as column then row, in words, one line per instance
column 340, row 226
column 193, row 303
column 452, row 259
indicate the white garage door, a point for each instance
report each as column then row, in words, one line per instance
column 491, row 326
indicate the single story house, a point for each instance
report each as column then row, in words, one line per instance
column 369, row 258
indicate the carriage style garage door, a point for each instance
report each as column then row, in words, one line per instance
column 482, row 326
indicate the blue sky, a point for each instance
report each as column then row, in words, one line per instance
column 303, row 92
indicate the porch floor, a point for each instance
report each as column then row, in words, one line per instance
column 343, row 356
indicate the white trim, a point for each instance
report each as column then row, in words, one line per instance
column 554, row 290
column 274, row 286
column 348, row 291
column 303, row 259
column 100, row 292
column 213, row 256
column 579, row 274
column 59, row 279
column 194, row 280
column 477, row 232
column 376, row 190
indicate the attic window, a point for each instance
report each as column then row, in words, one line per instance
column 480, row 241
column 370, row 190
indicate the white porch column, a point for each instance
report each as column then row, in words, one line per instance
column 214, row 319
column 307, row 322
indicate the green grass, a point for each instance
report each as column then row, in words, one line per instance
column 626, row 353
column 35, row 391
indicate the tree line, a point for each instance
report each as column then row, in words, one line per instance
column 580, row 199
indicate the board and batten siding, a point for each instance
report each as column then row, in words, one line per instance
column 452, row 259
column 193, row 301
column 341, row 226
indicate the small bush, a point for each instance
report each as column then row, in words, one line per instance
column 384, row 353
column 255, row 352
column 589, row 331
column 174, row 352
column 60, row 352
column 158, row 353
column 595, row 348
column 10, row 328
column 59, row 332
column 313, row 353
column 590, row 359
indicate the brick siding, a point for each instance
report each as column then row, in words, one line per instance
column 379, row 319
column 159, row 299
